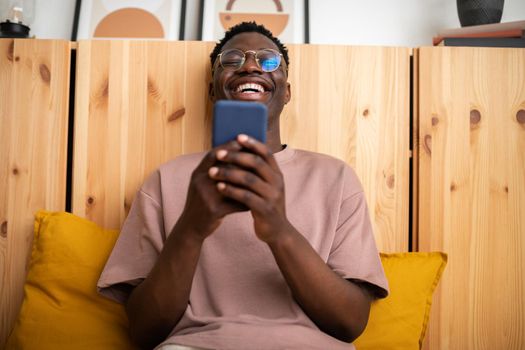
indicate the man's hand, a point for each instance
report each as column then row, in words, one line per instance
column 205, row 206
column 254, row 179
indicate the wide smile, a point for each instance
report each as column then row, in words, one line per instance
column 250, row 90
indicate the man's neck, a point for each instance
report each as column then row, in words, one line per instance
column 273, row 140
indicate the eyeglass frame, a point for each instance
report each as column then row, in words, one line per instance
column 218, row 59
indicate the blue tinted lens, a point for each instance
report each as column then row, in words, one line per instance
column 269, row 60
column 270, row 64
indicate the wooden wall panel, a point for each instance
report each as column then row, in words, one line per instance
column 138, row 104
column 34, row 96
column 352, row 103
column 472, row 193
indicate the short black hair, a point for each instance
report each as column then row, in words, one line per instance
column 246, row 27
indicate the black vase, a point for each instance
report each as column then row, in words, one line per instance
column 475, row 12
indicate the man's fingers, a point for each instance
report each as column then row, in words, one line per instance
column 211, row 157
column 241, row 195
column 241, row 178
column 249, row 161
column 258, row 148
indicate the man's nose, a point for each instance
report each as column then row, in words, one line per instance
column 250, row 64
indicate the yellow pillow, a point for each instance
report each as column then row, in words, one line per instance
column 61, row 307
column 400, row 320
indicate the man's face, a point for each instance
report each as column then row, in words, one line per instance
column 228, row 84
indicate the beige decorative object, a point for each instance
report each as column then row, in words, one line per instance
column 286, row 19
column 123, row 24
column 141, row 19
column 275, row 22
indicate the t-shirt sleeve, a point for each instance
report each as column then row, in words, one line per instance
column 354, row 253
column 138, row 246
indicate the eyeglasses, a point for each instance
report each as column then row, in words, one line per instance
column 267, row 59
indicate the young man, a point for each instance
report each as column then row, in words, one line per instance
column 298, row 270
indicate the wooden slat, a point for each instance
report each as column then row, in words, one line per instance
column 472, row 193
column 34, row 90
column 352, row 103
column 138, row 104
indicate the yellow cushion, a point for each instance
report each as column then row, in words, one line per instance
column 61, row 307
column 400, row 320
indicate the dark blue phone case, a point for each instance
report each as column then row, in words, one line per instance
column 231, row 118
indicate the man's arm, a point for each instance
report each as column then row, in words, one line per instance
column 339, row 307
column 157, row 304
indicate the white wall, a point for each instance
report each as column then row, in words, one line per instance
column 53, row 19
column 409, row 23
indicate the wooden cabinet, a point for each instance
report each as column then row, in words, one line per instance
column 34, row 99
column 354, row 104
column 471, row 193
column 139, row 104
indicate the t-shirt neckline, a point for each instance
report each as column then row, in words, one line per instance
column 284, row 155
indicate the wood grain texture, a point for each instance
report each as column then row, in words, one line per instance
column 34, row 91
column 472, row 193
column 352, row 103
column 138, row 104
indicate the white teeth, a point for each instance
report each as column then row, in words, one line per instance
column 249, row 86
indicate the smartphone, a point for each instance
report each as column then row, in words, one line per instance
column 231, row 118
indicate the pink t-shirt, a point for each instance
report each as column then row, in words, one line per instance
column 239, row 298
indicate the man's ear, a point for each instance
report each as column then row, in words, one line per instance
column 288, row 94
column 211, row 92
